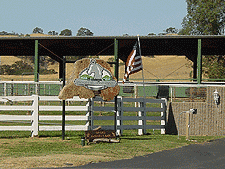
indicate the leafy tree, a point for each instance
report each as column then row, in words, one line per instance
column 214, row 66
column 66, row 32
column 171, row 30
column 204, row 17
column 150, row 34
column 52, row 33
column 84, row 32
column 20, row 67
column 161, row 34
column 37, row 30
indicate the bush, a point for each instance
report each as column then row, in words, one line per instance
column 20, row 67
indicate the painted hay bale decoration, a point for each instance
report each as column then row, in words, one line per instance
column 90, row 78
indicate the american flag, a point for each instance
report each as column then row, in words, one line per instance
column 134, row 63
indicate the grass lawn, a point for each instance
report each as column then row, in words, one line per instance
column 19, row 150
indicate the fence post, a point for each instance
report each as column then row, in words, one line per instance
column 12, row 86
column 142, row 122
column 89, row 114
column 119, row 114
column 5, row 89
column 88, row 122
column 163, row 116
column 36, row 88
column 135, row 94
column 35, row 118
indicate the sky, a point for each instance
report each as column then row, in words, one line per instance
column 102, row 17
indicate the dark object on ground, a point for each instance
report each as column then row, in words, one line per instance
column 98, row 135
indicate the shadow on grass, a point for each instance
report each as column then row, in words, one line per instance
column 135, row 138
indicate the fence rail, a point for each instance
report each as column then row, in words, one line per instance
column 89, row 108
column 142, row 109
column 34, row 118
column 152, row 89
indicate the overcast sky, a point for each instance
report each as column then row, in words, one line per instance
column 102, row 17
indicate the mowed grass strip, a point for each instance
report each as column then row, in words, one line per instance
column 19, row 144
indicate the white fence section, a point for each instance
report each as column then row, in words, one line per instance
column 34, row 118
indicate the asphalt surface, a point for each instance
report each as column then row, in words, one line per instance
column 207, row 155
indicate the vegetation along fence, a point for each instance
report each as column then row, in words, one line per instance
column 90, row 108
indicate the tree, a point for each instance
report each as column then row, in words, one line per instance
column 214, row 66
column 171, row 30
column 66, row 32
column 204, row 17
column 52, row 33
column 37, row 30
column 151, row 34
column 84, row 32
column 161, row 34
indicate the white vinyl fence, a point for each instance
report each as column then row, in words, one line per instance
column 34, row 118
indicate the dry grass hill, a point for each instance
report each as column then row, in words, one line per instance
column 159, row 67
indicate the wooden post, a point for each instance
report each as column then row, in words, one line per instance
column 116, row 70
column 36, row 63
column 5, row 91
column 12, row 86
column 89, row 121
column 119, row 114
column 199, row 62
column 91, row 113
column 28, row 89
column 163, row 115
column 142, row 122
column 135, row 96
column 63, row 102
column 187, row 124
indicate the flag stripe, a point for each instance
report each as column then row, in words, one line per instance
column 130, row 57
column 134, row 62
column 135, row 71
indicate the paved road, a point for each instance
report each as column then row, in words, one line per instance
column 208, row 155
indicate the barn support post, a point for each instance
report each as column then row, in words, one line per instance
column 195, row 71
column 61, row 70
column 63, row 102
column 116, row 60
column 116, row 71
column 36, row 63
column 199, row 62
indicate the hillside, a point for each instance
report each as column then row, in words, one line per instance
column 159, row 67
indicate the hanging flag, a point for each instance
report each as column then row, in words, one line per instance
column 134, row 63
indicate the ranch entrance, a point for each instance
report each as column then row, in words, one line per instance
column 209, row 119
column 32, row 112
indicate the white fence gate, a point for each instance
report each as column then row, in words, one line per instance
column 34, row 118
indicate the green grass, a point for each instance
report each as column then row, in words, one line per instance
column 19, row 144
